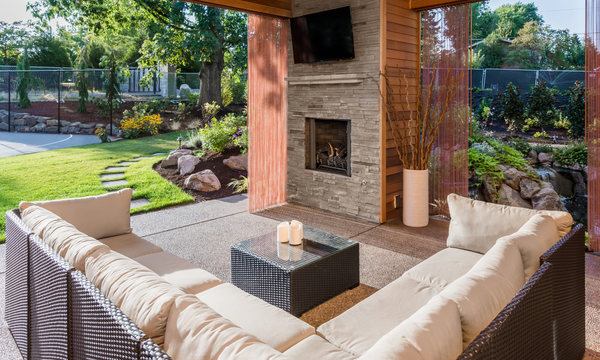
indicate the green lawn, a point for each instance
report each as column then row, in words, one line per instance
column 75, row 172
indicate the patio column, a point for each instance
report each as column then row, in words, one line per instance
column 592, row 117
column 267, row 111
column 446, row 38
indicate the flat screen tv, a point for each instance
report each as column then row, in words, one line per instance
column 323, row 36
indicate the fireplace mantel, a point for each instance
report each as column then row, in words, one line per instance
column 326, row 79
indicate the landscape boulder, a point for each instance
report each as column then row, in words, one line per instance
column 174, row 156
column 547, row 199
column 187, row 163
column 52, row 122
column 205, row 181
column 580, row 187
column 512, row 178
column 239, row 162
column 487, row 189
column 4, row 126
column 546, row 159
column 184, row 91
column 532, row 157
column 529, row 188
column 508, row 196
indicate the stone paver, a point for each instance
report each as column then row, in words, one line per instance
column 138, row 203
column 156, row 154
column 141, row 158
column 114, row 183
column 116, row 168
column 127, row 163
column 112, row 176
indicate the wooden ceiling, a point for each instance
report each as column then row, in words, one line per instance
column 276, row 8
column 419, row 5
column 284, row 8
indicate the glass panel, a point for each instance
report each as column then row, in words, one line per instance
column 592, row 85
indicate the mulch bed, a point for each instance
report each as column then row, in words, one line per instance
column 212, row 161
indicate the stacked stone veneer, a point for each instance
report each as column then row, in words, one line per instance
column 357, row 195
column 24, row 122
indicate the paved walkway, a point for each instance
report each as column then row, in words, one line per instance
column 12, row 143
column 203, row 232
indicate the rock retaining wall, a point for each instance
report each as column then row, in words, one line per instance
column 24, row 122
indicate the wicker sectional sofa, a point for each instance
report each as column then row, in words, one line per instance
column 80, row 285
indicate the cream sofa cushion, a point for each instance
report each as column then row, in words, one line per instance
column 434, row 331
column 130, row 245
column 315, row 347
column 196, row 332
column 533, row 239
column 97, row 216
column 141, row 294
column 444, row 268
column 178, row 272
column 486, row 289
column 268, row 323
column 476, row 225
column 70, row 243
column 361, row 326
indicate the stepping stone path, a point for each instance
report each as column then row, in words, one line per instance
column 122, row 166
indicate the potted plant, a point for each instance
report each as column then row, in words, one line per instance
column 414, row 130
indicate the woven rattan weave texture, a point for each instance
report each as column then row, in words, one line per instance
column 65, row 316
column 303, row 277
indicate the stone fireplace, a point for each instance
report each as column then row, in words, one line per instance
column 335, row 166
column 328, row 145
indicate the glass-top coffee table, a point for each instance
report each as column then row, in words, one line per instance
column 295, row 278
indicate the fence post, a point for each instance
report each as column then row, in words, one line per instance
column 154, row 83
column 110, row 100
column 483, row 79
column 537, row 76
column 9, row 100
column 59, row 81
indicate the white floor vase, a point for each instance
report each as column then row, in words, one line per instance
column 415, row 199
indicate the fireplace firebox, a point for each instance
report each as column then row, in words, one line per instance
column 328, row 145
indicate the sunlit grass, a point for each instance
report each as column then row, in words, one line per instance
column 75, row 172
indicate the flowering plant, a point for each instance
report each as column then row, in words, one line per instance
column 102, row 134
column 134, row 127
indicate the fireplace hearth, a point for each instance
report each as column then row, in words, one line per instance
column 328, row 145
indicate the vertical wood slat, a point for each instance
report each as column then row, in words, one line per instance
column 397, row 15
column 446, row 40
column 267, row 111
column 592, row 117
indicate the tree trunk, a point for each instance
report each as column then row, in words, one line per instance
column 210, row 79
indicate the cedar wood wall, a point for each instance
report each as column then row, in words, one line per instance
column 401, row 33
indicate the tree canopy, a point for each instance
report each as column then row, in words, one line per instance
column 176, row 33
column 12, row 38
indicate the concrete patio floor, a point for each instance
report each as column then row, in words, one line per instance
column 202, row 233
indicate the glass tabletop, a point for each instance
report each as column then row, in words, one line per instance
column 315, row 245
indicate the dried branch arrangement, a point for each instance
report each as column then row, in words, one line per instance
column 414, row 136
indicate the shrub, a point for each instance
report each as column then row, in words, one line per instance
column 576, row 109
column 102, row 134
column 541, row 135
column 233, row 90
column 104, row 106
column 520, row 144
column 513, row 107
column 148, row 108
column 193, row 139
column 543, row 148
column 562, row 122
column 484, row 112
column 541, row 104
column 575, row 153
column 216, row 136
column 209, row 111
column 134, row 127
column 241, row 139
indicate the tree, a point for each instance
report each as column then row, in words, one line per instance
column 25, row 81
column 48, row 50
column 513, row 108
column 184, row 33
column 12, row 37
column 484, row 20
column 512, row 18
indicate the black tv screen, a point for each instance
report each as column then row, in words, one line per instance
column 323, row 36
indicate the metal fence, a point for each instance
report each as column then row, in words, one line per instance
column 497, row 79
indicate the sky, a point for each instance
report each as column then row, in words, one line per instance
column 559, row 14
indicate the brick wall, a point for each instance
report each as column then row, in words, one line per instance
column 357, row 195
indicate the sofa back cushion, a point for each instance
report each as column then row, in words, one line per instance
column 141, row 294
column 486, row 289
column 533, row 239
column 96, row 216
column 476, row 225
column 196, row 331
column 432, row 333
column 70, row 243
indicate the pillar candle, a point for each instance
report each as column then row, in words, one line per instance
column 283, row 232
column 296, row 233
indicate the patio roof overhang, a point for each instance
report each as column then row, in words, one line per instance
column 276, row 8
column 284, row 8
